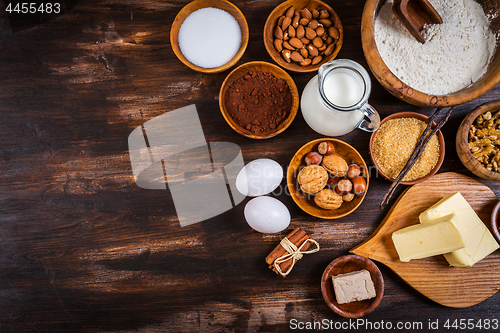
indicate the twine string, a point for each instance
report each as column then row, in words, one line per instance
column 294, row 253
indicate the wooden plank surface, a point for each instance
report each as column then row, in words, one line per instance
column 84, row 249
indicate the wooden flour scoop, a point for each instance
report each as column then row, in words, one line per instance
column 414, row 14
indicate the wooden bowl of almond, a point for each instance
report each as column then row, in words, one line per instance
column 301, row 35
column 327, row 178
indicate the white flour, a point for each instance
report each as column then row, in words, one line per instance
column 456, row 53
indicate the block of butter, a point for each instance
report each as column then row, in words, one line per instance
column 353, row 286
column 424, row 240
column 479, row 241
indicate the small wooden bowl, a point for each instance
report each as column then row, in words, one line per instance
column 495, row 225
column 265, row 67
column 401, row 90
column 462, row 142
column 272, row 20
column 199, row 4
column 441, row 144
column 305, row 202
column 346, row 264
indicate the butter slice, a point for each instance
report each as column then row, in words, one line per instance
column 353, row 286
column 425, row 240
column 479, row 241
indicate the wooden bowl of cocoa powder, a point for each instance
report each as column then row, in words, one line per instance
column 299, row 5
column 410, row 95
column 259, row 100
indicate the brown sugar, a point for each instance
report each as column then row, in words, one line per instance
column 395, row 141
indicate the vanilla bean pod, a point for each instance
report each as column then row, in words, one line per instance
column 419, row 149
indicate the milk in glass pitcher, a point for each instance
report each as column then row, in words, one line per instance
column 334, row 102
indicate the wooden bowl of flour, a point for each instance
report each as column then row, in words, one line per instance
column 404, row 92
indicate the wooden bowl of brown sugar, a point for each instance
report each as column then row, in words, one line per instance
column 392, row 142
column 259, row 100
column 410, row 95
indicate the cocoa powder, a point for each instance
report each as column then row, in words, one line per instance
column 258, row 101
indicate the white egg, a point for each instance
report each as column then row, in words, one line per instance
column 259, row 177
column 267, row 215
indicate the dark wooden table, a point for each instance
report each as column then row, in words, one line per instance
column 84, row 249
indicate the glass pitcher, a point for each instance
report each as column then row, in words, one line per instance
column 334, row 102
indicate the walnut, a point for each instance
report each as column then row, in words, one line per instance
column 312, row 179
column 484, row 142
column 328, row 199
column 335, row 165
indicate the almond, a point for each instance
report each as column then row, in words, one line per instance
column 313, row 52
column 316, row 60
column 286, row 55
column 303, row 21
column 300, row 32
column 278, row 44
column 322, row 48
column 307, row 14
column 280, row 20
column 326, row 23
column 291, row 31
column 296, row 43
column 310, row 33
column 278, row 33
column 290, row 12
column 306, row 62
column 324, row 14
column 317, row 42
column 320, row 31
column 329, row 40
column 313, row 24
column 295, row 21
column 334, row 32
column 329, row 49
column 304, row 53
column 285, row 35
column 287, row 46
column 295, row 56
column 305, row 41
column 315, row 13
column 286, row 22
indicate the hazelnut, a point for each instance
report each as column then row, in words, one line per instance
column 332, row 181
column 326, row 148
column 344, row 187
column 313, row 158
column 327, row 199
column 348, row 197
column 359, row 185
column 353, row 171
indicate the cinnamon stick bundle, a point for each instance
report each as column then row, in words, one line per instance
column 297, row 237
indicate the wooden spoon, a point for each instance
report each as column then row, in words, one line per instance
column 414, row 14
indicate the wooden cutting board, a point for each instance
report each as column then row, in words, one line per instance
column 433, row 277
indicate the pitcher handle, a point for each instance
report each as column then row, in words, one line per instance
column 372, row 115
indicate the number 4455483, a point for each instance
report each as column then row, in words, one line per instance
column 33, row 8
column 471, row 324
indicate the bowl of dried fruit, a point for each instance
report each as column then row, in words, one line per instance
column 301, row 35
column 394, row 142
column 478, row 141
column 327, row 178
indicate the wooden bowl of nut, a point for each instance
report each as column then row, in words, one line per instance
column 301, row 35
column 209, row 36
column 495, row 224
column 259, row 100
column 478, row 141
column 434, row 72
column 337, row 277
column 393, row 143
column 327, row 178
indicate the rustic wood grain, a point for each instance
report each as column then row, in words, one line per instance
column 84, row 249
